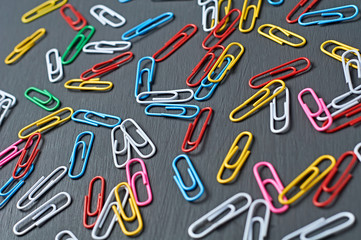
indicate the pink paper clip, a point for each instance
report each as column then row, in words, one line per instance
column 321, row 108
column 276, row 182
column 131, row 181
column 15, row 152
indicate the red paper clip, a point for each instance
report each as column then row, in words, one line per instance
column 339, row 185
column 298, row 6
column 280, row 69
column 179, row 39
column 87, row 202
column 78, row 23
column 347, row 113
column 190, row 130
column 102, row 68
column 33, row 154
column 226, row 33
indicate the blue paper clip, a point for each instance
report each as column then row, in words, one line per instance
column 124, row 1
column 8, row 195
column 182, row 107
column 275, row 3
column 84, row 154
column 194, row 177
column 140, row 72
column 147, row 26
column 211, row 85
column 94, row 123
column 330, row 12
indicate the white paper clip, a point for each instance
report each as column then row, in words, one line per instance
column 226, row 206
column 321, row 223
column 263, row 222
column 209, row 10
column 346, row 69
column 103, row 47
column 35, row 188
column 55, row 72
column 357, row 151
column 7, row 101
column 4, row 95
column 172, row 96
column 63, row 233
column 105, row 10
column 286, row 115
column 34, row 215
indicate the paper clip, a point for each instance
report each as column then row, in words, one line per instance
column 110, row 47
column 323, row 223
column 245, row 12
column 286, row 113
column 34, row 215
column 190, row 131
column 221, row 59
column 339, row 46
column 209, row 9
column 314, row 176
column 83, row 85
column 147, row 26
column 321, row 108
column 54, row 74
column 10, row 193
column 339, row 185
column 41, row 103
column 52, row 118
column 63, row 233
column 259, row 102
column 176, row 107
column 24, row 46
column 330, row 12
column 87, row 202
column 121, row 216
column 139, row 77
column 276, row 182
column 107, row 11
column 196, row 181
column 280, row 69
column 206, row 84
column 92, row 122
column 84, row 154
column 346, row 113
column 279, row 40
column 132, row 178
column 174, row 96
column 279, row 2
column 5, row 105
column 29, row 195
column 297, row 7
column 346, row 63
column 179, row 39
column 77, row 43
column 42, row 9
column 226, row 207
column 251, row 220
column 76, row 24
column 14, row 152
column 4, row 95
column 226, row 11
column 106, row 66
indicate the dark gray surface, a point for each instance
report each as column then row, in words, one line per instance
column 169, row 215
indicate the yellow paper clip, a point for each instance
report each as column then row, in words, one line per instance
column 134, row 208
column 221, row 59
column 260, row 102
column 278, row 39
column 226, row 11
column 245, row 11
column 340, row 46
column 24, row 46
column 93, row 81
column 42, row 9
column 312, row 171
column 241, row 160
column 50, row 118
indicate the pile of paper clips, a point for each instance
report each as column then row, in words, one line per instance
column 213, row 66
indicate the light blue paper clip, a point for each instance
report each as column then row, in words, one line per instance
column 91, row 122
column 182, row 107
column 140, row 72
column 147, row 26
column 84, row 154
column 193, row 175
column 124, row 1
column 275, row 3
column 330, row 12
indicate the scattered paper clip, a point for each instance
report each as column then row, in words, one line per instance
column 147, row 26
column 262, row 100
column 209, row 8
column 14, row 152
column 262, row 221
column 92, row 122
column 107, row 11
column 24, row 46
column 346, row 63
column 63, row 233
column 79, row 21
column 92, row 82
column 140, row 73
column 272, row 2
column 174, row 96
column 297, row 7
column 4, row 95
column 286, row 113
column 357, row 151
column 43, row 103
column 175, row 107
column 226, row 11
column 42, row 9
column 39, row 212
column 5, row 105
column 226, row 207
column 314, row 176
column 346, row 113
column 240, row 161
column 54, row 74
column 339, row 46
column 87, row 202
column 245, row 11
column 196, row 181
column 107, row 47
column 279, row 40
column 29, row 195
